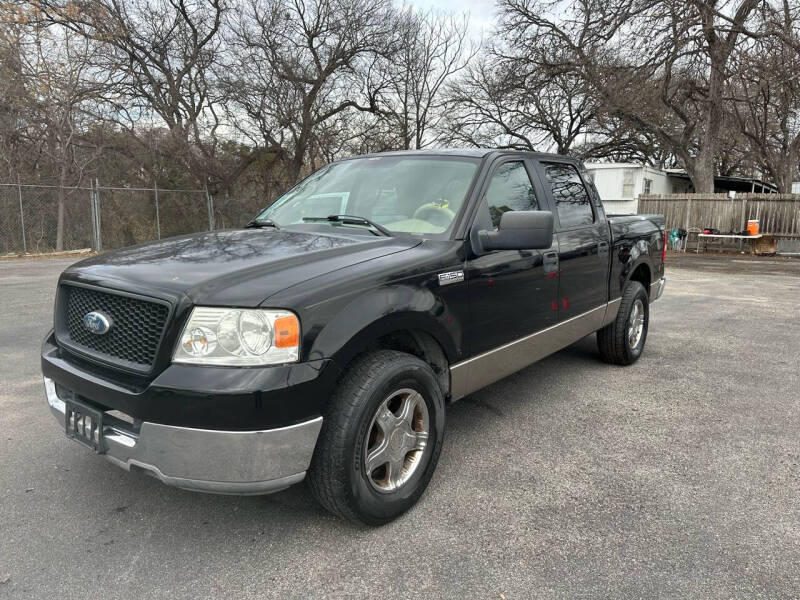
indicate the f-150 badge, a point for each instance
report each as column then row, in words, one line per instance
column 451, row 277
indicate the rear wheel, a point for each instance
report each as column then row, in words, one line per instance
column 622, row 342
column 380, row 440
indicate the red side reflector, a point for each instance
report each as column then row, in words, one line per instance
column 664, row 247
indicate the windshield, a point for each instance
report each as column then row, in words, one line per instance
column 407, row 194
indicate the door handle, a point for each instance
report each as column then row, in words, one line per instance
column 602, row 249
column 550, row 262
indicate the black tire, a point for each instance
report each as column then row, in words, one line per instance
column 613, row 341
column 337, row 475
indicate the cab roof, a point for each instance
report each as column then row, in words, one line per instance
column 465, row 152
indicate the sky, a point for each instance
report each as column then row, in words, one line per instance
column 481, row 12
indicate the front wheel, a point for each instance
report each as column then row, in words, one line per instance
column 622, row 342
column 380, row 440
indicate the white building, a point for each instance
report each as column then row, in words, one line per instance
column 621, row 184
column 796, row 187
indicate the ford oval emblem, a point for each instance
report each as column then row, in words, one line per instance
column 97, row 322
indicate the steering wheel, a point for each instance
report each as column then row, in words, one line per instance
column 435, row 213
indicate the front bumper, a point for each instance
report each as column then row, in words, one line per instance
column 200, row 397
column 221, row 462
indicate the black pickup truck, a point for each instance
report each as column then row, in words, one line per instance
column 325, row 339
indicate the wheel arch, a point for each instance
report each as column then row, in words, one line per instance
column 415, row 334
column 643, row 274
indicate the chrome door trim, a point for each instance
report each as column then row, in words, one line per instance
column 495, row 364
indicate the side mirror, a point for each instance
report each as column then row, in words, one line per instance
column 520, row 230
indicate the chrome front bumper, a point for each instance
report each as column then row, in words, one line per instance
column 657, row 288
column 203, row 460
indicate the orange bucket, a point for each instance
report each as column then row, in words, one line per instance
column 752, row 227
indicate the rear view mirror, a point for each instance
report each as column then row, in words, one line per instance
column 520, row 230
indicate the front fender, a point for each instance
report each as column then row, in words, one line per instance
column 378, row 312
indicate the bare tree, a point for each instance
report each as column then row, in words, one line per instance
column 434, row 48
column 296, row 66
column 58, row 67
column 615, row 139
column 766, row 96
column 245, row 96
column 50, row 95
column 14, row 100
column 511, row 101
column 642, row 57
column 161, row 53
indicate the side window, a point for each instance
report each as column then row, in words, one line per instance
column 572, row 200
column 627, row 183
column 510, row 189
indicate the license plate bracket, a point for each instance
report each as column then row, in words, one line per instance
column 84, row 424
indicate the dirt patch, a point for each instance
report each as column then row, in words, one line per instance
column 86, row 252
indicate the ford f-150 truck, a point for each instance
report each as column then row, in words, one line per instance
column 325, row 340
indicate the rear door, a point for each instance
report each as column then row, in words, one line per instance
column 583, row 239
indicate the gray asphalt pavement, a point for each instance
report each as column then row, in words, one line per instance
column 677, row 477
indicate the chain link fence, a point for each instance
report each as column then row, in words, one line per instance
column 40, row 219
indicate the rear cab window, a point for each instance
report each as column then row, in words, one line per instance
column 572, row 199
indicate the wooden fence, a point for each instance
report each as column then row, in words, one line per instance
column 779, row 214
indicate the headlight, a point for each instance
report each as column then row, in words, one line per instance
column 239, row 336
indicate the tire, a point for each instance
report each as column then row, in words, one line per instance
column 353, row 438
column 615, row 342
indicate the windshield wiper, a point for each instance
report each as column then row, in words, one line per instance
column 351, row 220
column 256, row 223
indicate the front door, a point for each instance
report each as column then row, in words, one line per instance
column 512, row 293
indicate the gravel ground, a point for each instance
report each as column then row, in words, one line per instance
column 676, row 477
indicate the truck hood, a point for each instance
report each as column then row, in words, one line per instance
column 239, row 267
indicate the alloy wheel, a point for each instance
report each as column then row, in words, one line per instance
column 396, row 440
column 636, row 324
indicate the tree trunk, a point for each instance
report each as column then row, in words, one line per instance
column 704, row 167
column 787, row 173
column 296, row 166
column 404, row 129
column 702, row 171
column 60, row 220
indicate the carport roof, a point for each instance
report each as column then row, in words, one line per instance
column 726, row 183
